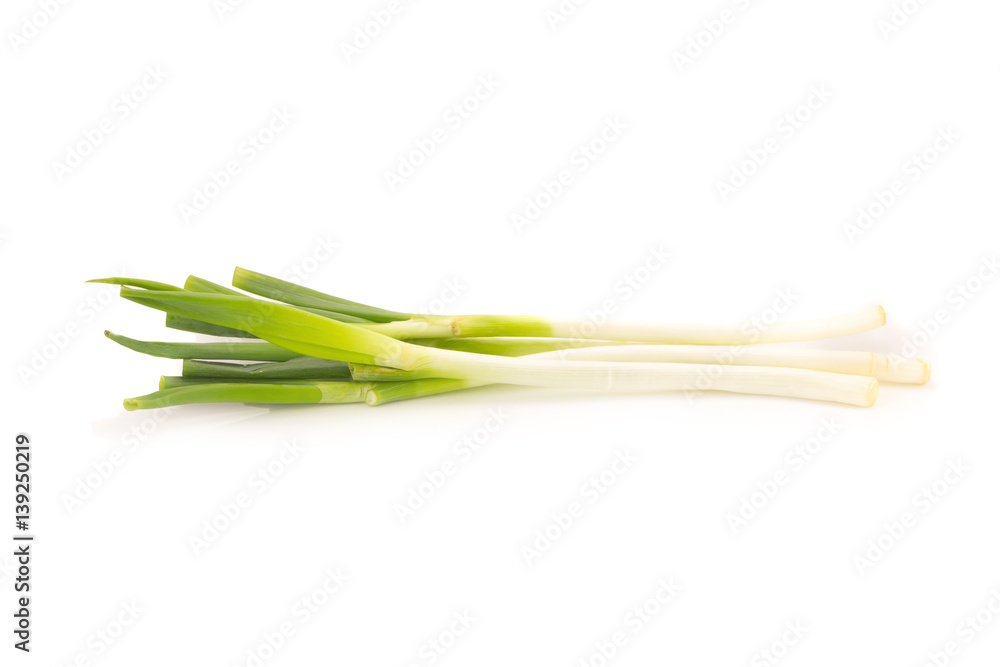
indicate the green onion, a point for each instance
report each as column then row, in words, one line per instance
column 376, row 393
column 411, row 326
column 317, row 348
column 176, row 391
column 258, row 350
column 317, row 336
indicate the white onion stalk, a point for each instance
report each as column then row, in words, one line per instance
column 880, row 367
column 848, row 362
column 646, row 376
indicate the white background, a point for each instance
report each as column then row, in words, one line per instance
column 446, row 233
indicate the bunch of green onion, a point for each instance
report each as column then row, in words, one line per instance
column 297, row 345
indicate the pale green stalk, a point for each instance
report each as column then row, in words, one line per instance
column 256, row 350
column 376, row 393
column 246, row 392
